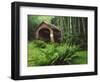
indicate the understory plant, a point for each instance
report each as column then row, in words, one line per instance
column 42, row 53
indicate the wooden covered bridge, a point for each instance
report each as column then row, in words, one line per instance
column 48, row 32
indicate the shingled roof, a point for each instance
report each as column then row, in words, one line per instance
column 53, row 27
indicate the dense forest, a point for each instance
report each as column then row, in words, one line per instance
column 73, row 30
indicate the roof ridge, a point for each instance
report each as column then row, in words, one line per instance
column 51, row 25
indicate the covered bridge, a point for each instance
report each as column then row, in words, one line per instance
column 48, row 32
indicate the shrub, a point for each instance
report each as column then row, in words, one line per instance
column 39, row 43
column 66, row 54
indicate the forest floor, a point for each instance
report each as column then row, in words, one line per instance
column 37, row 57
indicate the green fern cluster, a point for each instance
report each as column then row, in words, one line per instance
column 41, row 53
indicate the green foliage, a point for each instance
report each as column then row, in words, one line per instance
column 66, row 53
column 73, row 30
column 81, row 59
column 35, row 57
column 42, row 53
column 39, row 43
